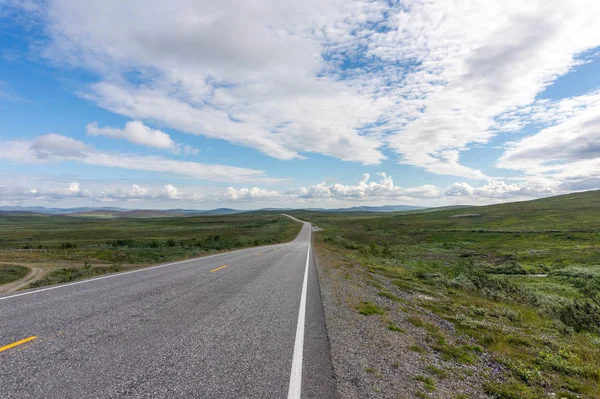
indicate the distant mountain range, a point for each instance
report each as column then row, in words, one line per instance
column 111, row 212
column 384, row 208
column 54, row 211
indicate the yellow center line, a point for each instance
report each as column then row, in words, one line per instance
column 219, row 268
column 259, row 254
column 17, row 343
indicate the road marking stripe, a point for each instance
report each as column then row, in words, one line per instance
column 295, row 388
column 219, row 268
column 17, row 343
column 129, row 272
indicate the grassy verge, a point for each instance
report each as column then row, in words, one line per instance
column 66, row 275
column 519, row 283
column 10, row 273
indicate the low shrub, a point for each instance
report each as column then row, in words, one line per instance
column 581, row 316
column 121, row 242
column 66, row 275
column 10, row 273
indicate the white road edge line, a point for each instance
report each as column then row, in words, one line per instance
column 295, row 388
column 124, row 273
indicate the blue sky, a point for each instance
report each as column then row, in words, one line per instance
column 202, row 104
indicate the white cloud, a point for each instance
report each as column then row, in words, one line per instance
column 255, row 193
column 57, row 148
column 171, row 192
column 222, row 70
column 567, row 153
column 478, row 60
column 566, row 146
column 366, row 189
column 363, row 190
column 498, row 189
column 311, row 122
column 137, row 191
column 135, row 132
column 386, row 192
column 460, row 190
column 429, row 79
column 16, row 190
column 545, row 112
column 95, row 191
column 73, row 188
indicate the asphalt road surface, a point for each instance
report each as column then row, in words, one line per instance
column 243, row 324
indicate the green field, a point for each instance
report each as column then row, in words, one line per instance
column 521, row 279
column 74, row 248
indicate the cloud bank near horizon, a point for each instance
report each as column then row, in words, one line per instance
column 330, row 195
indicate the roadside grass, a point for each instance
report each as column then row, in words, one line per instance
column 373, row 371
column 417, row 348
column 110, row 244
column 392, row 327
column 10, row 273
column 428, row 382
column 67, row 275
column 519, row 281
column 416, row 321
column 436, row 371
column 389, row 296
column 369, row 308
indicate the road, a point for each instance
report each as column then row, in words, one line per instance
column 242, row 324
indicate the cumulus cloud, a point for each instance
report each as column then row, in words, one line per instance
column 365, row 189
column 137, row 191
column 362, row 190
column 386, row 191
column 171, row 191
column 252, row 194
column 73, row 188
column 500, row 189
column 135, row 132
column 97, row 191
column 57, row 148
column 18, row 191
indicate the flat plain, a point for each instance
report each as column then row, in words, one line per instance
column 500, row 301
column 60, row 249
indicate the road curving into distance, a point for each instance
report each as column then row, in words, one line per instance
column 242, row 324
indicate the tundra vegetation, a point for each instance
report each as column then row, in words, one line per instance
column 72, row 248
column 519, row 283
column 10, row 273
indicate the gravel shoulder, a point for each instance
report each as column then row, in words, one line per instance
column 389, row 353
